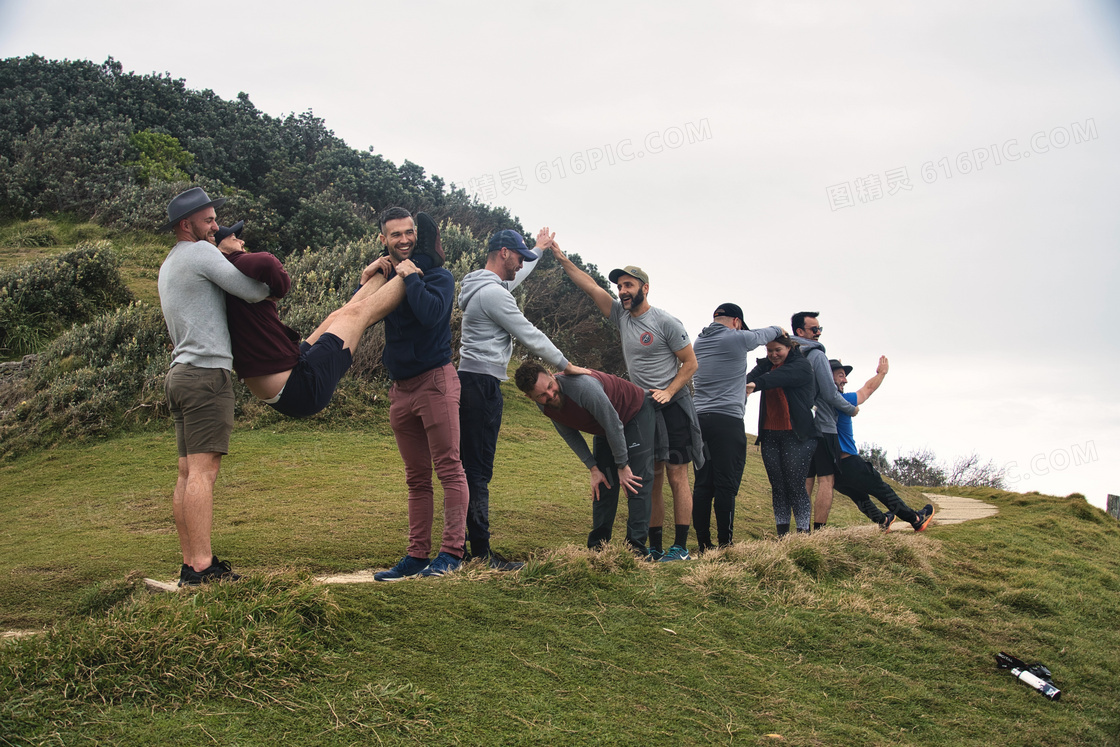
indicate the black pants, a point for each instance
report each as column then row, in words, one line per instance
column 480, row 419
column 859, row 481
column 640, row 438
column 718, row 481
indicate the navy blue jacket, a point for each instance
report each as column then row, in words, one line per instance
column 418, row 332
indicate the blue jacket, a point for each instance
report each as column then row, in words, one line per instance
column 418, row 332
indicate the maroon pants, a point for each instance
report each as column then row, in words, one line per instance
column 424, row 414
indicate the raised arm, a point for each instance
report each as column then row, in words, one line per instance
column 583, row 281
column 544, row 241
column 874, row 382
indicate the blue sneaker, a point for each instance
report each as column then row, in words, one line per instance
column 409, row 566
column 655, row 555
column 676, row 552
column 443, row 564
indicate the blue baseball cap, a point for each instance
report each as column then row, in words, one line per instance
column 510, row 239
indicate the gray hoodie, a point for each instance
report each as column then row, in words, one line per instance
column 491, row 320
column 829, row 399
column 721, row 380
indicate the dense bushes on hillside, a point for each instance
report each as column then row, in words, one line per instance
column 97, row 142
column 40, row 300
column 108, row 373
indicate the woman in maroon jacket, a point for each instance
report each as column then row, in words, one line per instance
column 785, row 428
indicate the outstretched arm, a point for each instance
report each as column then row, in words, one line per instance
column 544, row 241
column 585, row 282
column 873, row 383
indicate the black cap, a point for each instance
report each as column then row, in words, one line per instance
column 224, row 232
column 730, row 310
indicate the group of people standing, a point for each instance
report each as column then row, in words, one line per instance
column 219, row 304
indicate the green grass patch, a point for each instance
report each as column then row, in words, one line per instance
column 845, row 636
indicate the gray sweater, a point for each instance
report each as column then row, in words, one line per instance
column 491, row 320
column 193, row 282
column 829, row 399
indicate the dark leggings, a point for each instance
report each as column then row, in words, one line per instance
column 787, row 464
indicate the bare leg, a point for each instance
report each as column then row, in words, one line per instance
column 366, row 308
column 823, row 504
column 682, row 493
column 193, row 505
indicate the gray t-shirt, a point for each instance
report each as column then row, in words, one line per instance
column 649, row 345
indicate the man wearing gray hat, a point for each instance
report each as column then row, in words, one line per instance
column 491, row 320
column 721, row 399
column 660, row 359
column 193, row 282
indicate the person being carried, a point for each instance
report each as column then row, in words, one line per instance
column 859, row 480
column 298, row 379
column 620, row 417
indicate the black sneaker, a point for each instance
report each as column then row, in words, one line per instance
column 219, row 570
column 924, row 517
column 428, row 242
column 888, row 519
column 498, row 563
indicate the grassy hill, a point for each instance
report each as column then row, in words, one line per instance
column 843, row 637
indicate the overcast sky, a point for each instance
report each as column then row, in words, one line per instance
column 934, row 179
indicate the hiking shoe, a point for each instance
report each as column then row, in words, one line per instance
column 888, row 519
column 409, row 566
column 444, row 563
column 676, row 552
column 428, row 242
column 219, row 570
column 924, row 517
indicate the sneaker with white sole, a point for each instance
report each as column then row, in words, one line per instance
column 676, row 552
column 443, row 564
column 407, row 568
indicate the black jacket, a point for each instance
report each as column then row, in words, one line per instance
column 795, row 377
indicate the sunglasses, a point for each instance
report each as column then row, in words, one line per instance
column 816, row 330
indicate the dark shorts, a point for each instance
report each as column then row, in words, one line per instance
column 312, row 382
column 826, row 460
column 201, row 404
column 678, row 434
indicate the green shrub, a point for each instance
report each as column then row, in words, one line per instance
column 92, row 380
column 41, row 299
column 35, row 233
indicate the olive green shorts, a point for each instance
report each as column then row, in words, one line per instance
column 201, row 404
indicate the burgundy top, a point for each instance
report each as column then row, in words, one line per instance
column 626, row 398
column 262, row 344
